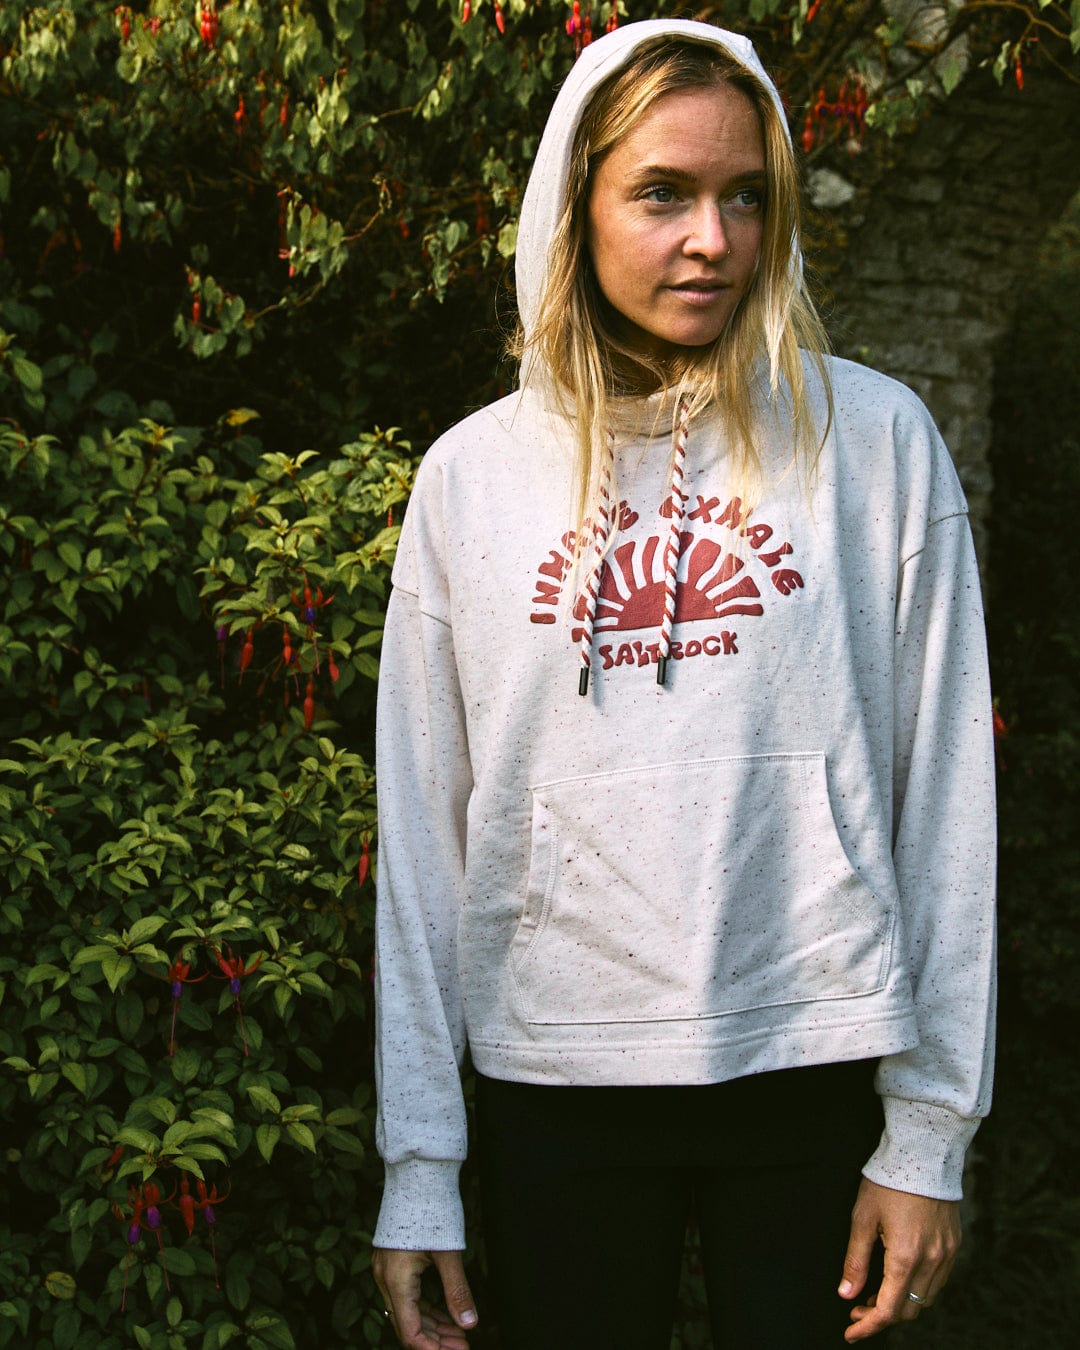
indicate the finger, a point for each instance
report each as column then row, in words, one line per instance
column 437, row 1324
column 927, row 1281
column 400, row 1284
column 892, row 1303
column 459, row 1300
column 861, row 1241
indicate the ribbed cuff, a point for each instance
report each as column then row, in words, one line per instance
column 421, row 1208
column 922, row 1149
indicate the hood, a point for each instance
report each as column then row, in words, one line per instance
column 544, row 196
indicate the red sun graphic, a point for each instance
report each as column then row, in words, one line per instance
column 632, row 586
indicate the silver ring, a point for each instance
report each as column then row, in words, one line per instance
column 916, row 1298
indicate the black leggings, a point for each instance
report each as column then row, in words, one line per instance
column 587, row 1193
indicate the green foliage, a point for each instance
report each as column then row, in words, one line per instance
column 162, row 808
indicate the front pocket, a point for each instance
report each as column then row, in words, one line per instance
column 693, row 890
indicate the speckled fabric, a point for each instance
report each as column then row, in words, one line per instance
column 782, row 857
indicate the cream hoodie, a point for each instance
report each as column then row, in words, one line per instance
column 783, row 856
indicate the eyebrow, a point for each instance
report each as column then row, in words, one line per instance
column 751, row 177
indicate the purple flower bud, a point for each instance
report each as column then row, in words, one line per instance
column 234, row 985
column 208, row 1214
column 177, row 988
column 153, row 1217
column 134, row 1233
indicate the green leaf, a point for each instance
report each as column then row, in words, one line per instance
column 96, row 953
column 70, row 554
column 129, row 1012
column 60, row 1284
column 301, row 1111
column 237, row 1288
column 344, row 1142
column 38, row 973
column 184, row 1064
column 952, row 73
column 212, row 1114
column 264, row 1099
column 143, row 1140
column 205, row 1152
column 179, row 1261
column 186, row 1163
column 76, row 1074
column 116, row 966
column 145, row 928
column 266, row 1138
column 100, row 1049
column 41, row 1084
column 161, row 1108
column 344, row 1115
column 302, row 1135
column 28, row 374
column 81, row 1244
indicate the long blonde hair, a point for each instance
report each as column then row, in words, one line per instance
column 573, row 342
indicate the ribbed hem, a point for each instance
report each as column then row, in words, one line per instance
column 421, row 1208
column 922, row 1149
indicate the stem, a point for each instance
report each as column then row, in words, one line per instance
column 240, row 1015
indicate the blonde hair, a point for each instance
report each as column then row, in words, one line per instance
column 573, row 341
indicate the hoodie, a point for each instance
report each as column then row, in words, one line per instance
column 780, row 856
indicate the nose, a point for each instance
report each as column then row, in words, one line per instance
column 707, row 237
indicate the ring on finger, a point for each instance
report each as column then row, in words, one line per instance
column 916, row 1298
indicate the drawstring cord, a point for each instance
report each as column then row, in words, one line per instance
column 600, row 531
column 674, row 541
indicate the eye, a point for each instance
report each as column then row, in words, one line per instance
column 661, row 193
column 748, row 199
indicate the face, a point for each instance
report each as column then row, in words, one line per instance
column 675, row 219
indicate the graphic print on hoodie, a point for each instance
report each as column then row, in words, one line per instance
column 717, row 580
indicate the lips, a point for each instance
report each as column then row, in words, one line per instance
column 700, row 284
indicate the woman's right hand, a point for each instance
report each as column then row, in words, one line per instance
column 418, row 1325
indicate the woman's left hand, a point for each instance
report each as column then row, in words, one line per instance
column 921, row 1237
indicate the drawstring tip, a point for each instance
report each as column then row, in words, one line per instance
column 583, row 681
column 661, row 670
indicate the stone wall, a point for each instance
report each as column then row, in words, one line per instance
column 940, row 246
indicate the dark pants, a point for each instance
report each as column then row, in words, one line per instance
column 587, row 1193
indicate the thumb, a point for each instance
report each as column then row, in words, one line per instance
column 860, row 1246
column 459, row 1300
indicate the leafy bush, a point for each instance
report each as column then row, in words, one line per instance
column 166, row 815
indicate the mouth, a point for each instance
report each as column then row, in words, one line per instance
column 701, row 291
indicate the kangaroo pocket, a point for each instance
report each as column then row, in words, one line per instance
column 693, row 890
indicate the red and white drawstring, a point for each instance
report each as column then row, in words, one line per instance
column 601, row 528
column 674, row 541
column 600, row 531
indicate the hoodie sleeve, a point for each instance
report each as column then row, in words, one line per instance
column 424, row 782
column 935, row 1095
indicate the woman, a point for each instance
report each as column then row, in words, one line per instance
column 685, row 771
